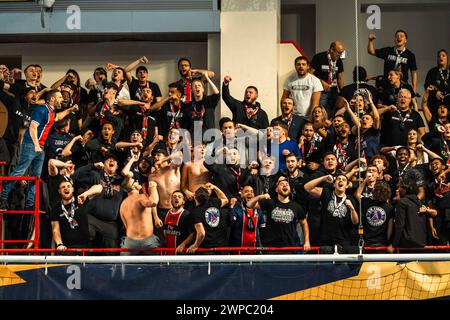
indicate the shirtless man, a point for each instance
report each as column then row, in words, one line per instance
column 166, row 175
column 194, row 173
column 136, row 215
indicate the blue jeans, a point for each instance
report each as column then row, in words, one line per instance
column 28, row 159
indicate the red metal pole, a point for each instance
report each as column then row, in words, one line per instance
column 2, row 163
column 1, row 224
column 37, row 185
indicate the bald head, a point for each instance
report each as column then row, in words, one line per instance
column 336, row 50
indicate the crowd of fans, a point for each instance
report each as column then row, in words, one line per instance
column 126, row 164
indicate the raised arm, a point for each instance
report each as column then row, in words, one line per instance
column 432, row 154
column 202, row 72
column 254, row 201
column 214, row 88
column 370, row 45
column 153, row 197
column 151, row 146
column 61, row 115
column 67, row 151
column 132, row 65
column 375, row 113
column 226, row 96
column 360, row 189
column 126, row 171
column 425, row 108
column 219, row 193
column 54, row 165
column 59, row 82
column 158, row 105
column 352, row 114
column 312, row 186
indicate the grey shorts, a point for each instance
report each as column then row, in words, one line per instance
column 139, row 244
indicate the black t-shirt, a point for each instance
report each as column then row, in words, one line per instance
column 350, row 90
column 20, row 89
column 84, row 178
column 226, row 177
column 170, row 116
column 312, row 151
column 105, row 206
column 406, row 60
column 55, row 144
column 80, row 155
column 77, row 236
column 95, row 96
column 345, row 153
column 375, row 219
column 216, row 222
column 441, row 80
column 94, row 149
column 177, row 227
column 202, row 111
column 396, row 124
column 18, row 116
column 389, row 94
column 135, row 89
column 335, row 221
column 281, row 222
column 321, row 66
column 142, row 120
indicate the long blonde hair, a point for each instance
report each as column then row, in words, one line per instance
column 324, row 114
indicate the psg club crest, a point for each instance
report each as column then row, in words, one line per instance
column 376, row 216
column 212, row 216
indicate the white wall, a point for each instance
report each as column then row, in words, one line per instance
column 85, row 57
column 249, row 49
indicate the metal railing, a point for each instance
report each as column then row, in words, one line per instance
column 36, row 212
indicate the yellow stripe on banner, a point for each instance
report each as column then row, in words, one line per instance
column 9, row 277
column 384, row 281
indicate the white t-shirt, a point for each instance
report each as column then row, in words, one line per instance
column 123, row 94
column 301, row 90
